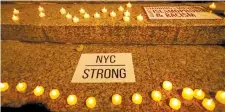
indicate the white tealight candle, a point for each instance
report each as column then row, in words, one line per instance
column 96, row 15
column 104, row 10
column 68, row 16
column 112, row 14
column 41, row 14
column 140, row 18
column 4, row 86
column 75, row 19
column 39, row 90
column 54, row 94
column 127, row 13
column 126, row 19
column 15, row 18
column 82, row 10
column 212, row 6
column 129, row 5
column 121, row 8
column 72, row 99
column 41, row 9
column 86, row 16
column 116, row 99
column 167, row 85
column 21, row 87
column 63, row 11
column 15, row 11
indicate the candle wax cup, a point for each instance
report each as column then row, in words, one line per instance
column 116, row 99
column 175, row 103
column 137, row 98
column 4, row 86
column 220, row 96
column 156, row 95
column 104, row 10
column 72, row 99
column 199, row 94
column 208, row 104
column 187, row 93
column 38, row 91
column 167, row 85
column 21, row 87
column 54, row 94
column 91, row 102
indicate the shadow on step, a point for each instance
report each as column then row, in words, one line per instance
column 29, row 107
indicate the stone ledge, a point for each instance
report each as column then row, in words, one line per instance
column 56, row 28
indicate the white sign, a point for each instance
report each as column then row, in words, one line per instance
column 104, row 68
column 179, row 12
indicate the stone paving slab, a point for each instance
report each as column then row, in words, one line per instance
column 53, row 65
column 56, row 28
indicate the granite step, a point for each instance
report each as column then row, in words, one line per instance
column 53, row 65
column 57, row 29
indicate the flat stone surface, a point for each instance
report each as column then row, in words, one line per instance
column 53, row 65
column 56, row 28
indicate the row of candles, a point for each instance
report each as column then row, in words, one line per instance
column 75, row 19
column 174, row 103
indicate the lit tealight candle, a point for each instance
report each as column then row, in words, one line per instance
column 140, row 17
column 4, row 86
column 156, row 95
column 199, row 94
column 15, row 11
column 112, row 14
column 96, row 15
column 41, row 14
column 137, row 98
column 175, row 103
column 91, row 102
column 187, row 93
column 220, row 96
column 15, row 18
column 41, row 9
column 82, row 11
column 104, row 10
column 54, row 94
column 126, row 19
column 68, row 16
column 167, row 85
column 212, row 6
column 121, row 8
column 21, row 87
column 72, row 99
column 127, row 13
column 63, row 11
column 86, row 16
column 116, row 99
column 129, row 5
column 38, row 91
column 208, row 104
column 75, row 19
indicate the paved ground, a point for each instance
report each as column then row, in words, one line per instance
column 53, row 65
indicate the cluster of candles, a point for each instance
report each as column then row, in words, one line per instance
column 15, row 16
column 126, row 15
column 41, row 11
column 97, row 15
column 174, row 103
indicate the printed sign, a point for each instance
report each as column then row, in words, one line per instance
column 104, row 68
column 179, row 12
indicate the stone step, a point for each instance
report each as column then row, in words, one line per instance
column 107, row 30
column 53, row 65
